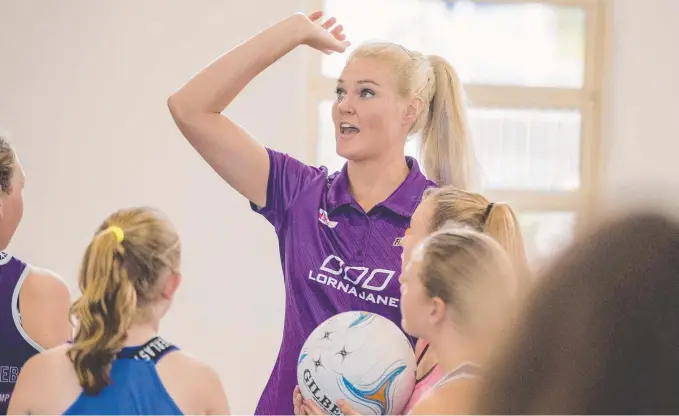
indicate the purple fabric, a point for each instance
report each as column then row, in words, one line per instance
column 335, row 257
column 15, row 349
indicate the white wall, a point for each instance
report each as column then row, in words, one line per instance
column 83, row 89
column 642, row 124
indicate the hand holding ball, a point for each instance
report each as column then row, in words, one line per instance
column 360, row 357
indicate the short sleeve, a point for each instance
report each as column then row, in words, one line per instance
column 288, row 178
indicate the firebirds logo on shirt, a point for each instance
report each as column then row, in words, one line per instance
column 323, row 218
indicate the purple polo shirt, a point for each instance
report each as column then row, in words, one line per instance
column 335, row 257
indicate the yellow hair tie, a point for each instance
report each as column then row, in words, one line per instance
column 119, row 233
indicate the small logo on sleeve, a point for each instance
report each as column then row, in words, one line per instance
column 323, row 218
column 398, row 242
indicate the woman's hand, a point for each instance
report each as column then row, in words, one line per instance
column 298, row 402
column 304, row 407
column 320, row 36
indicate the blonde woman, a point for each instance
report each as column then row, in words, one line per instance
column 331, row 225
column 458, row 291
column 497, row 220
column 117, row 363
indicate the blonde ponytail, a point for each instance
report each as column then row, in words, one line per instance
column 501, row 224
column 474, row 210
column 105, row 311
column 445, row 148
column 118, row 279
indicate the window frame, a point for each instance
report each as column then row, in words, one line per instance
column 587, row 99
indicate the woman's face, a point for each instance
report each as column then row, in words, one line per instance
column 416, row 305
column 415, row 302
column 370, row 116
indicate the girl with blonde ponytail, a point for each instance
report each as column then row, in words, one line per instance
column 117, row 363
column 496, row 220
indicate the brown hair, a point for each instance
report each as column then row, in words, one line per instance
column 461, row 266
column 600, row 333
column 445, row 148
column 118, row 279
column 474, row 210
column 7, row 160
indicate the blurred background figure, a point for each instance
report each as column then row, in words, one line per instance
column 599, row 334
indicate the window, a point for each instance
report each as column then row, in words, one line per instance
column 531, row 70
